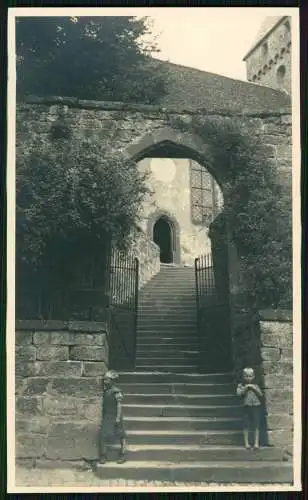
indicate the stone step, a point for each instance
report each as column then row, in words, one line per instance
column 174, row 368
column 187, row 453
column 182, row 399
column 177, row 388
column 179, row 331
column 158, row 343
column 162, row 353
column 149, row 341
column 182, row 411
column 167, row 315
column 182, row 423
column 167, row 302
column 167, row 293
column 164, row 346
column 173, row 361
column 171, row 286
column 158, row 377
column 167, row 324
column 188, row 437
column 223, row 472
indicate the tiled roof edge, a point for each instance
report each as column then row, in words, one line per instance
column 121, row 106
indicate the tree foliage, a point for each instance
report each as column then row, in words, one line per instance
column 102, row 58
column 257, row 208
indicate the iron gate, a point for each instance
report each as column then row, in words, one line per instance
column 213, row 318
column 123, row 310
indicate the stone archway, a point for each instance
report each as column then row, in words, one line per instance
column 173, row 143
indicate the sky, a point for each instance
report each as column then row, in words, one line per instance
column 210, row 39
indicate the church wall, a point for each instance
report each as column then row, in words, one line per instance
column 262, row 65
column 170, row 184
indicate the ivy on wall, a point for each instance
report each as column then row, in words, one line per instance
column 257, row 205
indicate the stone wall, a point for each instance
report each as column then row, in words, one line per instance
column 59, row 368
column 277, row 370
column 148, row 255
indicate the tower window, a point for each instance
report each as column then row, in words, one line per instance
column 281, row 73
column 201, row 195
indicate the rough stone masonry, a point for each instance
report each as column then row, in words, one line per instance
column 59, row 365
column 59, row 369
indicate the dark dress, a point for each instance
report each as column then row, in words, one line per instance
column 111, row 432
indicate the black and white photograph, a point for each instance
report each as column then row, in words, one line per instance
column 153, row 308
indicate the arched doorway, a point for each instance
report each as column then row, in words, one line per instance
column 163, row 237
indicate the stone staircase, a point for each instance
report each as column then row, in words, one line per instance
column 183, row 426
column 167, row 337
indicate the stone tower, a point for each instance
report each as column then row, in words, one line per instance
column 268, row 61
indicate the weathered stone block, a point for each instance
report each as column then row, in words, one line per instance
column 25, row 353
column 30, row 446
column 280, row 407
column 273, row 396
column 87, row 326
column 286, row 119
column 275, row 380
column 279, row 422
column 35, row 385
column 19, row 382
column 270, row 354
column 77, row 465
column 72, row 338
column 284, row 151
column 93, row 410
column 25, row 463
column 28, row 406
column 269, row 339
column 59, row 368
column 23, row 337
column 25, row 369
column 280, row 437
column 79, row 387
column 61, row 406
column 94, row 369
column 37, row 425
column 61, row 447
column 41, row 337
column 276, row 139
column 276, row 341
column 270, row 150
column 73, row 441
column 59, row 353
column 273, row 129
column 88, row 353
column 287, row 353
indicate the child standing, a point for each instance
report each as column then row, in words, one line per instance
column 112, row 428
column 251, row 395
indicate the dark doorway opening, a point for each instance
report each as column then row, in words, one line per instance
column 163, row 237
